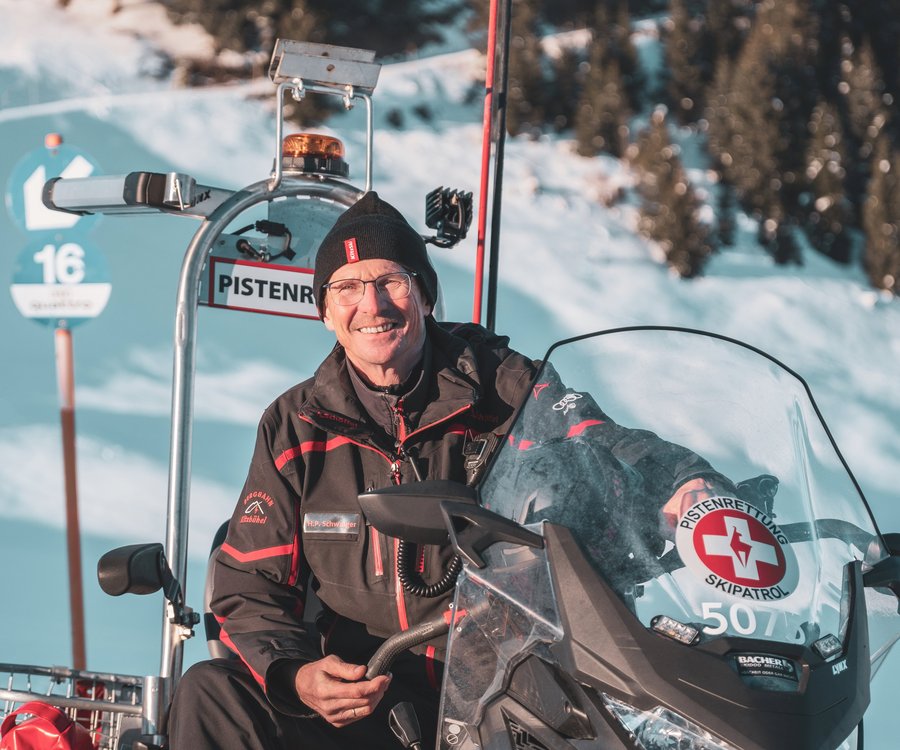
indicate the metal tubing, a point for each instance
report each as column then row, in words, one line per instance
column 348, row 94
column 370, row 139
column 196, row 255
column 275, row 182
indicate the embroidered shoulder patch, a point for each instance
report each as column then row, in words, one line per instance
column 256, row 504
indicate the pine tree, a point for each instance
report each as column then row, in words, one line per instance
column 562, row 98
column 863, row 86
column 689, row 65
column 618, row 32
column 526, row 85
column 830, row 212
column 611, row 83
column 725, row 214
column 669, row 212
column 249, row 27
column 771, row 95
column 880, row 22
column 244, row 26
column 728, row 23
column 720, row 118
column 863, row 93
column 881, row 218
column 601, row 120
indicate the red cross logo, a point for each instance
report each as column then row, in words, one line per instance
column 738, row 548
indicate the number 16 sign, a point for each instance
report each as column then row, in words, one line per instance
column 62, row 283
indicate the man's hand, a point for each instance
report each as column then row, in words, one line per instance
column 686, row 495
column 338, row 691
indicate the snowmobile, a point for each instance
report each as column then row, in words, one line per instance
column 584, row 618
column 755, row 621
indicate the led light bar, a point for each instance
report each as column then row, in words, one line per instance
column 134, row 193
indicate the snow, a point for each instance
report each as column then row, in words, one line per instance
column 571, row 262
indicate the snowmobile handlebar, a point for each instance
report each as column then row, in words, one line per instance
column 381, row 660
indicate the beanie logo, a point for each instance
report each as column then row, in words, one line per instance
column 351, row 250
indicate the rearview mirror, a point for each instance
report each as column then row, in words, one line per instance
column 413, row 511
column 438, row 510
column 886, row 573
column 134, row 569
column 473, row 529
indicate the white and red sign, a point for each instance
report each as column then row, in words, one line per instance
column 60, row 284
column 260, row 287
column 737, row 549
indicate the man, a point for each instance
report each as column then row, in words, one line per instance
column 397, row 400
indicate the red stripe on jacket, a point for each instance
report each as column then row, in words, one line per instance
column 257, row 554
column 226, row 639
column 429, row 667
column 308, row 447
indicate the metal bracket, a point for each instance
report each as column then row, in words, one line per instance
column 304, row 67
column 324, row 64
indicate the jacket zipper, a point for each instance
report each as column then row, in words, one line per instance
column 398, row 590
column 375, row 539
column 375, row 543
column 396, row 477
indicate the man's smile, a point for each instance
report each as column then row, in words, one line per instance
column 381, row 328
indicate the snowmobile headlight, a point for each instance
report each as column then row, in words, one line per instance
column 828, row 646
column 660, row 728
column 677, row 631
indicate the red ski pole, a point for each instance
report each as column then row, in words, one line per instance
column 485, row 159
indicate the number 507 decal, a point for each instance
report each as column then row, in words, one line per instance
column 741, row 619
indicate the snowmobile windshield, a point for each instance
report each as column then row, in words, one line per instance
column 766, row 515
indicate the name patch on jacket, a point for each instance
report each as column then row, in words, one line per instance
column 337, row 526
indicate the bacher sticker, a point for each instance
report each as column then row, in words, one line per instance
column 737, row 549
column 765, row 665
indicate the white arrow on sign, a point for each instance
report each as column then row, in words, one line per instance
column 37, row 216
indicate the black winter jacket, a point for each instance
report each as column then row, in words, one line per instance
column 299, row 523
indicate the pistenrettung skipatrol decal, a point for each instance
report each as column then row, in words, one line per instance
column 737, row 549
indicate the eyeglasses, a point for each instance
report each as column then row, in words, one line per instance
column 351, row 291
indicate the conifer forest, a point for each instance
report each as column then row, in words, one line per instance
column 793, row 100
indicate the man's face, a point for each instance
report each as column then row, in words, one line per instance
column 383, row 337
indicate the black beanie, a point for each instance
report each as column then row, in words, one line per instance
column 372, row 228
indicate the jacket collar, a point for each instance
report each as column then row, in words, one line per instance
column 452, row 384
column 385, row 406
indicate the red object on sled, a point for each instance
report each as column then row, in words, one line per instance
column 48, row 728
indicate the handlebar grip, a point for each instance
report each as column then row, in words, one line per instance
column 381, row 660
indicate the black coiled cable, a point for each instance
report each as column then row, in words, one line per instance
column 413, row 583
